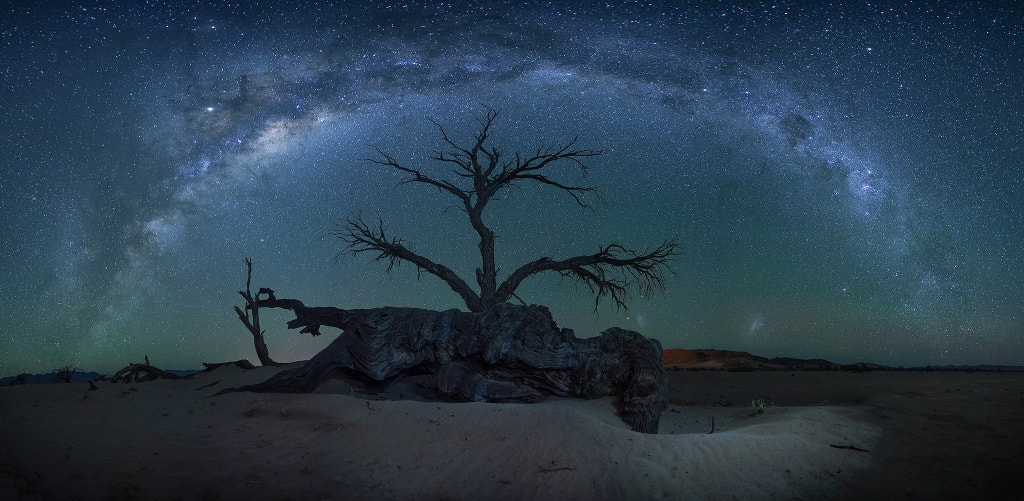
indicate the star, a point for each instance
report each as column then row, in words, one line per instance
column 790, row 165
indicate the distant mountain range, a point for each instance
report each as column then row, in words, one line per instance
column 77, row 377
column 710, row 359
column 51, row 377
column 674, row 359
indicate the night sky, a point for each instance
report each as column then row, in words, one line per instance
column 846, row 182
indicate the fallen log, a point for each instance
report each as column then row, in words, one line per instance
column 507, row 353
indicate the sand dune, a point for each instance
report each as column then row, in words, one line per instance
column 828, row 436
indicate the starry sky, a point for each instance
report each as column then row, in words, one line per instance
column 846, row 181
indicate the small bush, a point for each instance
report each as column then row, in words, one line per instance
column 758, row 404
column 64, row 374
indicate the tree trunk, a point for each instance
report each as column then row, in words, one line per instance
column 505, row 354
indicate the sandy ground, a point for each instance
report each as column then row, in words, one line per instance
column 828, row 435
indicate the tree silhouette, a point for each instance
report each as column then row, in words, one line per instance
column 496, row 352
column 481, row 172
column 250, row 316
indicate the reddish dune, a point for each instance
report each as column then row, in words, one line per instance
column 677, row 358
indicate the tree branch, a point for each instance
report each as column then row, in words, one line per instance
column 518, row 169
column 613, row 271
column 418, row 177
column 309, row 318
column 361, row 238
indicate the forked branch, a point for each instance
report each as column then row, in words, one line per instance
column 362, row 238
column 250, row 316
column 613, row 271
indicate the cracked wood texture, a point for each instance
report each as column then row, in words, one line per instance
column 507, row 353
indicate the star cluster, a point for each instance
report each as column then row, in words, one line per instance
column 846, row 181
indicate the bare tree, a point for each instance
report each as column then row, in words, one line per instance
column 250, row 317
column 480, row 173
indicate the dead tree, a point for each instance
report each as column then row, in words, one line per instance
column 496, row 351
column 251, row 317
column 508, row 353
column 482, row 172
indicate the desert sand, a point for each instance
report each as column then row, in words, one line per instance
column 827, row 435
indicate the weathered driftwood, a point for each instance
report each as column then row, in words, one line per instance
column 507, row 353
column 141, row 373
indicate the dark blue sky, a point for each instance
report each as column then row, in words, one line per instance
column 846, row 181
